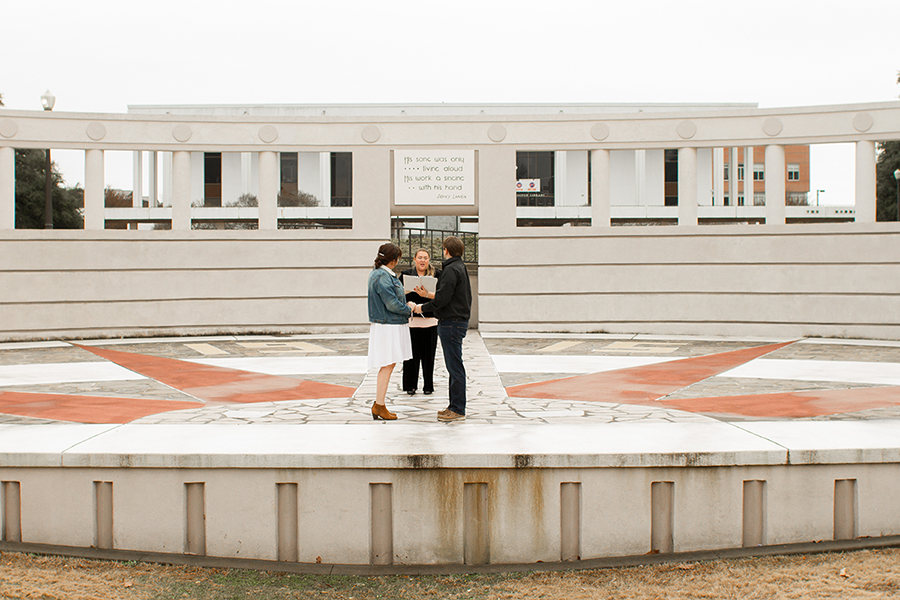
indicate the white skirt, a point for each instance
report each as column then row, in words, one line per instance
column 388, row 344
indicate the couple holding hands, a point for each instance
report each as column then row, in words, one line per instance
column 403, row 329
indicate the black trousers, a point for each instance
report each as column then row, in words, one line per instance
column 424, row 344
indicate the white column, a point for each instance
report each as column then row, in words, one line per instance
column 153, row 180
column 748, row 176
column 94, row 201
column 865, row 182
column 600, row 188
column 687, row 186
column 269, row 184
column 733, row 176
column 324, row 178
column 246, row 172
column 704, row 176
column 181, row 190
column 718, row 176
column 137, row 175
column 640, row 176
column 167, row 174
column 560, row 178
column 7, row 188
column 775, row 186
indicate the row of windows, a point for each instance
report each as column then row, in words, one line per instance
column 759, row 172
column 291, row 193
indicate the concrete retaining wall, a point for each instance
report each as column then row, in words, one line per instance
column 369, row 505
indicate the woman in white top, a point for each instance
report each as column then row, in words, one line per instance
column 389, row 330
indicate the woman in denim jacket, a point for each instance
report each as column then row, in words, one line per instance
column 389, row 330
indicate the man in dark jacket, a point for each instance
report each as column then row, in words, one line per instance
column 452, row 305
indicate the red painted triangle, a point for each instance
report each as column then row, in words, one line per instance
column 220, row 385
column 86, row 409
column 640, row 384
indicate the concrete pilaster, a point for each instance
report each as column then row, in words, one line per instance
column 865, row 182
column 181, row 190
column 600, row 190
column 496, row 191
column 268, row 190
column 687, row 186
column 94, row 176
column 775, row 187
column 372, row 193
column 7, row 188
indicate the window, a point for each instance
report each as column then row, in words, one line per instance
column 534, row 178
column 726, row 171
column 740, row 172
column 671, row 177
column 793, row 172
column 342, row 179
column 212, row 179
column 289, row 172
column 759, row 172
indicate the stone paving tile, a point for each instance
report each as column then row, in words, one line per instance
column 142, row 388
column 43, row 356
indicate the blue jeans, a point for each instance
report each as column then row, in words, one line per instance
column 452, row 333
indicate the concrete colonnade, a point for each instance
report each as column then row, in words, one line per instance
column 600, row 185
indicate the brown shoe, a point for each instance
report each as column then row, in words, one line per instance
column 451, row 416
column 380, row 411
column 446, row 411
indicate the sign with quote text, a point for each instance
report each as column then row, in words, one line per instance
column 434, row 177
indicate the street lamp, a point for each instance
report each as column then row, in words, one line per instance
column 817, row 195
column 47, row 101
column 897, row 177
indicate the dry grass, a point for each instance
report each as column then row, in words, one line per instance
column 864, row 574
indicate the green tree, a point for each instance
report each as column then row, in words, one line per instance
column 30, row 194
column 886, row 190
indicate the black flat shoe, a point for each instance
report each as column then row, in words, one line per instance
column 411, row 392
column 428, row 392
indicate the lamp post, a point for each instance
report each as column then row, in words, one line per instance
column 897, row 177
column 47, row 101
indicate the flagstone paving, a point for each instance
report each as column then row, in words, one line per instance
column 512, row 378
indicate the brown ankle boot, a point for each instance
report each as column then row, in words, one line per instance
column 380, row 411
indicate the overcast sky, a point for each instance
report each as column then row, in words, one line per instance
column 103, row 55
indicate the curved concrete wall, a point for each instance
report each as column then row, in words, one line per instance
column 788, row 281
column 495, row 495
column 771, row 280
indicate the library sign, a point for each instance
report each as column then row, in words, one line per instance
column 434, row 177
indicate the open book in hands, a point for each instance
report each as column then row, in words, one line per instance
column 410, row 282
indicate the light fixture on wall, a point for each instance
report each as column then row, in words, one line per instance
column 897, row 178
column 47, row 101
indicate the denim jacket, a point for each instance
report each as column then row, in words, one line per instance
column 387, row 302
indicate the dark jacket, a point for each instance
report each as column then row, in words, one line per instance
column 414, row 297
column 453, row 297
